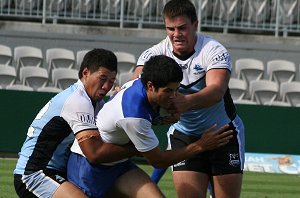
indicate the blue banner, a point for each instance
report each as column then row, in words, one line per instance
column 272, row 163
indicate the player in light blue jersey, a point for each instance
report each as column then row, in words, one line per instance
column 42, row 163
column 128, row 117
column 204, row 99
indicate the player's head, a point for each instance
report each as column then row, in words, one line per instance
column 181, row 25
column 175, row 8
column 97, row 58
column 161, row 76
column 98, row 72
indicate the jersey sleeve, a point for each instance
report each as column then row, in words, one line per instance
column 79, row 112
column 140, row 133
column 217, row 56
column 157, row 49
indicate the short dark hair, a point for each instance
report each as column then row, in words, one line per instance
column 97, row 58
column 176, row 8
column 161, row 70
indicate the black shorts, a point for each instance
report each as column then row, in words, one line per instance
column 220, row 161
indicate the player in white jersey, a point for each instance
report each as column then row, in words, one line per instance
column 41, row 167
column 205, row 99
column 128, row 117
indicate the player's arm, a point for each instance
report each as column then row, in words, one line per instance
column 96, row 151
column 210, row 139
column 216, row 86
column 137, row 71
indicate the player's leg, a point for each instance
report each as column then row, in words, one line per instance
column 68, row 190
column 157, row 174
column 43, row 184
column 228, row 186
column 190, row 184
column 227, row 164
column 135, row 184
column 190, row 176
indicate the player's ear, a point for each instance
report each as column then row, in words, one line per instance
column 150, row 86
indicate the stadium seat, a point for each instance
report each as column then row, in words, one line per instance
column 288, row 11
column 249, row 69
column 59, row 58
column 56, row 6
column 7, row 75
column 64, row 77
column 49, row 89
column 126, row 62
column 79, row 57
column 109, row 7
column 290, row 92
column 257, row 11
column 281, row 71
column 27, row 5
column 27, row 56
column 124, row 77
column 34, row 77
column 5, row 55
column 19, row 87
column 263, row 91
column 238, row 88
column 80, row 7
column 227, row 10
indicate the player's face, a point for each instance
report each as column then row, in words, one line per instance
column 182, row 33
column 163, row 97
column 97, row 84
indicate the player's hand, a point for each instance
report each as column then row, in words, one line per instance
column 212, row 138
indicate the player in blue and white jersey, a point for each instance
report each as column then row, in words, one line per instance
column 128, row 117
column 204, row 99
column 42, row 163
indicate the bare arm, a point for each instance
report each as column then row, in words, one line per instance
column 216, row 86
column 137, row 71
column 96, row 151
column 210, row 140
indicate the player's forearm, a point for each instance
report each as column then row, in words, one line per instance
column 98, row 152
column 206, row 97
column 170, row 157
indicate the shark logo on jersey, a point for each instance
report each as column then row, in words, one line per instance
column 86, row 118
column 198, row 69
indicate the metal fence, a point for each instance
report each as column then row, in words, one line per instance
column 277, row 17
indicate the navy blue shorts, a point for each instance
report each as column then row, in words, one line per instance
column 227, row 159
column 95, row 180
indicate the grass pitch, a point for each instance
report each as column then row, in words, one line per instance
column 255, row 185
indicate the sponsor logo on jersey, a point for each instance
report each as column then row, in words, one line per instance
column 198, row 69
column 86, row 118
column 234, row 159
column 222, row 57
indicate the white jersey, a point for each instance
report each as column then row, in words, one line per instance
column 127, row 117
column 52, row 131
column 209, row 54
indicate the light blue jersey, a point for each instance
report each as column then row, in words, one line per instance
column 51, row 133
column 209, row 54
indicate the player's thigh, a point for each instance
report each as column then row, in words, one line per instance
column 228, row 186
column 190, row 184
column 68, row 190
column 135, row 184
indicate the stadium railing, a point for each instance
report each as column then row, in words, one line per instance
column 275, row 17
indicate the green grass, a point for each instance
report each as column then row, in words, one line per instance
column 255, row 185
